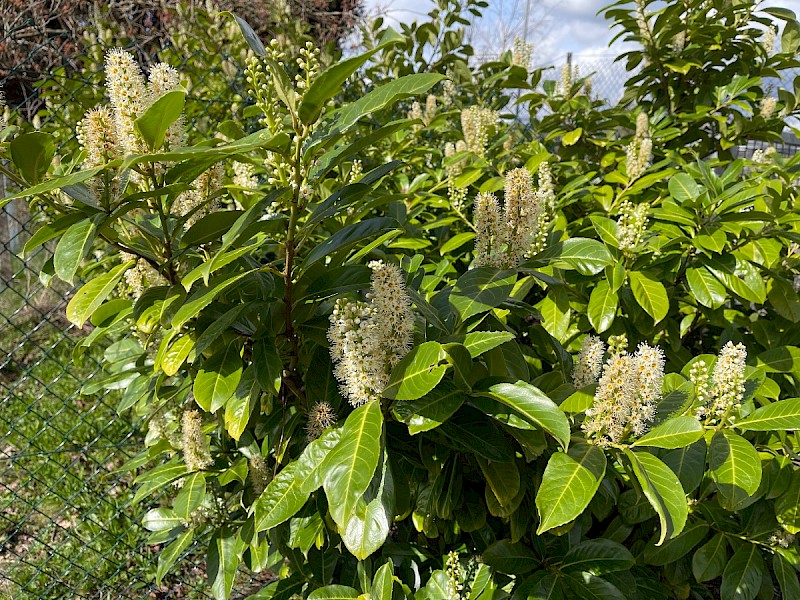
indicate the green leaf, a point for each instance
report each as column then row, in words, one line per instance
column 73, row 246
column 571, row 137
column 383, row 582
column 709, row 561
column 349, row 236
column 584, row 255
column 349, row 467
column 478, row 342
column 190, row 497
column 590, row 587
column 176, row 354
column 598, row 557
column 431, row 410
column 282, row 498
column 417, row 373
column 267, row 365
column 456, row 242
column 481, row 289
column 787, row 506
column 569, row 483
column 160, row 519
column 203, row 297
column 677, row 547
column 218, row 377
column 688, row 464
column 152, row 125
column 663, row 490
column 705, row 288
column 240, row 405
column 790, row 38
column 329, row 83
column 734, row 466
column 385, row 95
column 778, row 416
column 169, row 555
column 678, row 432
column 602, row 306
column 158, row 478
column 741, row 578
column 32, row 154
column 222, row 562
column 786, row 576
column 334, row 592
column 535, row 406
column 514, row 559
column 683, row 188
column 502, row 478
column 650, row 294
column 368, row 526
column 784, row 359
column 93, row 294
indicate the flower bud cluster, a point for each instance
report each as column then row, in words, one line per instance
column 724, row 400
column 200, row 200
column 455, row 194
column 679, row 42
column 766, row 107
column 3, row 119
column 639, row 152
column 521, row 53
column 547, row 204
column 308, row 64
column 196, row 451
column 449, row 90
column 368, row 338
column 140, row 276
column 632, row 225
column 356, row 171
column 627, row 393
column 455, row 577
column 477, row 124
column 641, row 23
column 589, row 364
column 244, row 176
column 128, row 93
column 768, row 41
column 567, row 78
column 781, row 539
column 698, row 375
column 320, row 417
column 504, row 238
column 258, row 473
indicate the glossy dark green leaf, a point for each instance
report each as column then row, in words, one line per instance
column 598, row 557
column 480, row 290
column 73, row 246
column 673, row 549
column 218, row 378
column 734, row 467
column 677, row 432
column 152, row 125
column 741, row 578
column 650, row 294
column 431, row 410
column 602, row 306
column 169, row 555
column 514, row 559
column 222, row 562
column 32, row 154
column 710, row 559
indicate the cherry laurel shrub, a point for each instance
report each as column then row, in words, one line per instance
column 405, row 341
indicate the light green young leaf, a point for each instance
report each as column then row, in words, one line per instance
column 663, row 490
column 678, row 432
column 93, row 294
column 778, row 416
column 569, row 483
column 535, row 406
column 73, row 246
column 417, row 373
column 650, row 294
column 349, row 467
column 152, row 125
